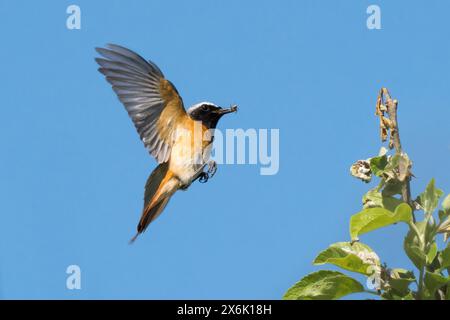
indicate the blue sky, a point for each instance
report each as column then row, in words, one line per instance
column 72, row 169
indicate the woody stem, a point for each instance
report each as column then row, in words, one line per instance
column 391, row 105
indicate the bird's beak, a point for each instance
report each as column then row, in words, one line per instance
column 231, row 109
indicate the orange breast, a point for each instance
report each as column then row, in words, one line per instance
column 191, row 140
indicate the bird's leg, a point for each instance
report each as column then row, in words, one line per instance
column 199, row 175
column 205, row 176
column 212, row 168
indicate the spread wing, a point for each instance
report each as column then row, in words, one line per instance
column 151, row 101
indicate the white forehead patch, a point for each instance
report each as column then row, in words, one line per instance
column 198, row 105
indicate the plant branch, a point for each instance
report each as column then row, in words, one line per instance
column 420, row 286
column 422, row 247
column 385, row 104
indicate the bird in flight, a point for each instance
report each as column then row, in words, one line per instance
column 179, row 140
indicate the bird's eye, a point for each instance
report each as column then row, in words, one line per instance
column 205, row 107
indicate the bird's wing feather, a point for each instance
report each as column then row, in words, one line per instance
column 152, row 102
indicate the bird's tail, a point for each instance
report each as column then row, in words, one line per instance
column 160, row 186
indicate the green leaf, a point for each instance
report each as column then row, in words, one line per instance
column 416, row 255
column 378, row 164
column 375, row 218
column 399, row 281
column 445, row 212
column 356, row 257
column 443, row 215
column 430, row 197
column 432, row 252
column 445, row 258
column 392, row 188
column 446, row 203
column 404, row 165
column 323, row 285
column 393, row 295
column 411, row 245
column 373, row 198
column 434, row 281
column 444, row 228
column 393, row 162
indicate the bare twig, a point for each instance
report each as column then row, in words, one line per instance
column 387, row 105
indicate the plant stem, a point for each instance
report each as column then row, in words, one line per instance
column 391, row 106
column 422, row 244
column 420, row 286
column 421, row 238
column 394, row 142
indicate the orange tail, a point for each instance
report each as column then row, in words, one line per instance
column 160, row 186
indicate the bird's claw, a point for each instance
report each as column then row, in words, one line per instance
column 203, row 177
column 212, row 168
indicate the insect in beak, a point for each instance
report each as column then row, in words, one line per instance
column 233, row 108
